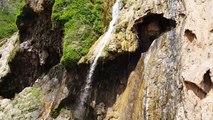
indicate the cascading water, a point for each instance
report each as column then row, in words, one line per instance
column 101, row 45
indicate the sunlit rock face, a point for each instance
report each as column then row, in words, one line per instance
column 7, row 51
column 173, row 78
column 196, row 61
column 157, row 65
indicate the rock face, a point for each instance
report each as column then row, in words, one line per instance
column 172, row 80
column 7, row 51
column 38, row 101
column 157, row 65
column 37, row 46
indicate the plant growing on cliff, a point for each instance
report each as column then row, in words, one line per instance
column 83, row 24
column 8, row 12
column 8, row 26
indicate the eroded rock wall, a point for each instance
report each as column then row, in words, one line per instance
column 196, row 61
column 39, row 48
column 172, row 79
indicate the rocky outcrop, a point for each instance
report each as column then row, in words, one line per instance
column 172, row 79
column 7, row 51
column 132, row 15
column 38, row 101
column 157, row 65
column 39, row 43
column 196, row 69
column 151, row 92
column 26, row 105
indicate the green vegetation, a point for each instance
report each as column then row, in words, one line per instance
column 35, row 92
column 28, row 100
column 8, row 11
column 83, row 24
column 54, row 114
column 57, row 112
column 8, row 26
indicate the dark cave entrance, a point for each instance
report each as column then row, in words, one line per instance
column 150, row 27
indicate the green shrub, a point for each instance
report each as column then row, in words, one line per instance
column 8, row 26
column 8, row 18
column 83, row 24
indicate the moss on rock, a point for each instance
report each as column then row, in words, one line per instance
column 26, row 105
column 8, row 13
column 83, row 24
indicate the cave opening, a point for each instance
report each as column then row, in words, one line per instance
column 150, row 27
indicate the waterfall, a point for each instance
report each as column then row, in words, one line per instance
column 100, row 47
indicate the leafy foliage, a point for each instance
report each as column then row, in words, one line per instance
column 8, row 26
column 83, row 23
column 8, row 12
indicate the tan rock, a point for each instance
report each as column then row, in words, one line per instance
column 37, row 5
column 173, row 79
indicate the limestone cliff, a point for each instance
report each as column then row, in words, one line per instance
column 157, row 64
column 172, row 80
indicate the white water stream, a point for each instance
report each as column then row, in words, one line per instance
column 101, row 45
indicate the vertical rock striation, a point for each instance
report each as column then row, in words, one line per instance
column 172, row 80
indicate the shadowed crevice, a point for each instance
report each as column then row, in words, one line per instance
column 39, row 50
column 206, row 84
column 190, row 35
column 151, row 27
column 203, row 88
column 195, row 88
